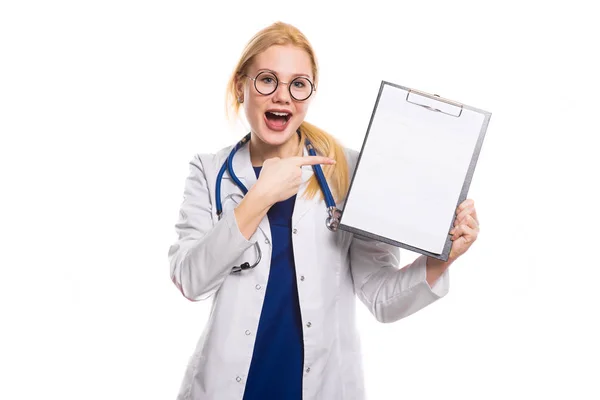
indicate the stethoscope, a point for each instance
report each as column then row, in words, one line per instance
column 332, row 222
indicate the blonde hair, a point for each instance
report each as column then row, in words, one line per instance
column 285, row 34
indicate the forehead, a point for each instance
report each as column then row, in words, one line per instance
column 285, row 60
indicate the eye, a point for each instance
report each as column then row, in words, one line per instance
column 299, row 84
column 267, row 78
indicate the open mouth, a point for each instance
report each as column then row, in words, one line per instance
column 277, row 120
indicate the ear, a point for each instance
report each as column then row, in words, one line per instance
column 239, row 87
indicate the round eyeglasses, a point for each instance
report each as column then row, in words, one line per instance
column 266, row 82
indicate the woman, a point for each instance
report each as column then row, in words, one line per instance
column 285, row 329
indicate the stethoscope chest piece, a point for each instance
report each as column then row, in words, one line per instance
column 333, row 220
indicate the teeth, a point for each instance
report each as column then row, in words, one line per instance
column 279, row 114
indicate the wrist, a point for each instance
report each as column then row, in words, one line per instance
column 250, row 212
column 438, row 265
column 434, row 269
column 260, row 197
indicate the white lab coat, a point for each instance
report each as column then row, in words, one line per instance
column 331, row 269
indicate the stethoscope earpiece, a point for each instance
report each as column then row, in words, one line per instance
column 247, row 265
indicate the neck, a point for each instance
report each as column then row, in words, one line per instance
column 260, row 151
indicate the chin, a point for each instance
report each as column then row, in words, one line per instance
column 276, row 138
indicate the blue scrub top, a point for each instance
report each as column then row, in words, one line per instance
column 278, row 358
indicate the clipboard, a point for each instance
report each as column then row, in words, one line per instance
column 414, row 169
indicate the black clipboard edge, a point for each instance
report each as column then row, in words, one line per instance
column 383, row 239
column 464, row 191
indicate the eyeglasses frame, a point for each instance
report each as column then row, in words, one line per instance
column 312, row 85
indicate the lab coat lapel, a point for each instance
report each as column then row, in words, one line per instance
column 242, row 167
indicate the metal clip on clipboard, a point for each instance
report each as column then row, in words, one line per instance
column 434, row 103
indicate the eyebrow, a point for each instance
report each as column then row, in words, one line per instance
column 276, row 73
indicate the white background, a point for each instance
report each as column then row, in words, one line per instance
column 103, row 104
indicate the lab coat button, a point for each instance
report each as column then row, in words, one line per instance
column 295, row 231
column 238, row 379
column 267, row 241
column 301, row 277
column 307, row 370
column 247, row 332
column 308, row 324
column 257, row 287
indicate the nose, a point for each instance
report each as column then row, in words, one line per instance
column 282, row 94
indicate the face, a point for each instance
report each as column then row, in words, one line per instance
column 274, row 118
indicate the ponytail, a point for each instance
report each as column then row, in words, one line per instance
column 337, row 175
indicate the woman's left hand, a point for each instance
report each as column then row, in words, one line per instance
column 466, row 229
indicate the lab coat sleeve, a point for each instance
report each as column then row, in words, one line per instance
column 205, row 252
column 391, row 293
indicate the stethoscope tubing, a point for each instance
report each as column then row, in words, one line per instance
column 331, row 222
column 228, row 166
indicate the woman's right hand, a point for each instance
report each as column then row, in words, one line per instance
column 280, row 178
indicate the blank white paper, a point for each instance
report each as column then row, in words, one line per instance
column 411, row 171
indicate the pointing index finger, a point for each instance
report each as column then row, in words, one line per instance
column 312, row 160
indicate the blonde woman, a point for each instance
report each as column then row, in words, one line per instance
column 253, row 237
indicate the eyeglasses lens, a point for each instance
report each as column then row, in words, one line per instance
column 300, row 88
